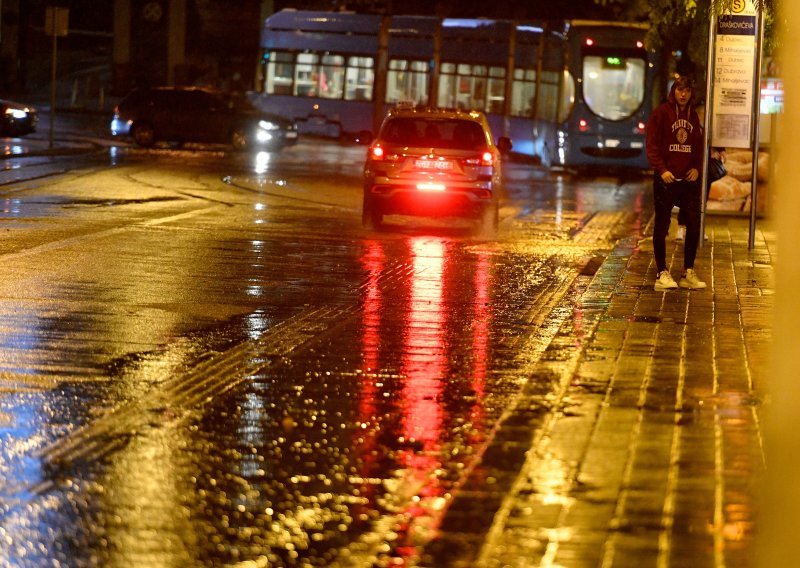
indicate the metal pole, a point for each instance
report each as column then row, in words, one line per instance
column 435, row 65
column 381, row 67
column 508, row 86
column 53, row 85
column 756, row 135
column 710, row 71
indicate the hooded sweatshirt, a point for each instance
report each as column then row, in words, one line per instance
column 674, row 138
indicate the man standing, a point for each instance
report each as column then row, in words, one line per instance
column 675, row 152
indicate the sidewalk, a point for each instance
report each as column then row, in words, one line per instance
column 652, row 451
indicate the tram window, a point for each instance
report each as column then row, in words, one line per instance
column 567, row 96
column 407, row 81
column 360, row 77
column 306, row 75
column 279, row 73
column 330, row 78
column 613, row 86
column 523, row 92
column 467, row 86
column 548, row 95
column 497, row 90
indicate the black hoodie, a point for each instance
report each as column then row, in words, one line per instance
column 674, row 138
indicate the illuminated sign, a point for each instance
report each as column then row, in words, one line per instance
column 734, row 77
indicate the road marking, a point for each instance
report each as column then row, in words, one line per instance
column 63, row 243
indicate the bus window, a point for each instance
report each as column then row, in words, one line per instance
column 279, row 74
column 330, row 83
column 359, row 77
column 523, row 92
column 306, row 75
column 407, row 80
column 613, row 86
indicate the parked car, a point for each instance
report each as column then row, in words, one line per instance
column 432, row 162
column 17, row 119
column 193, row 114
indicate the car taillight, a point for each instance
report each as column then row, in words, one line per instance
column 378, row 154
column 486, row 159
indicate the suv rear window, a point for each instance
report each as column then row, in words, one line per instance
column 441, row 133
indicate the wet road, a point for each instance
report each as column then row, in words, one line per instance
column 206, row 361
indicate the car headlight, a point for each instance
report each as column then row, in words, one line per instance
column 17, row 113
column 267, row 125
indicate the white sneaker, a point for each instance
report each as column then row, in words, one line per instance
column 691, row 281
column 664, row 281
column 680, row 234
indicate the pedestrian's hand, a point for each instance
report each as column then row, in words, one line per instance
column 692, row 175
column 667, row 177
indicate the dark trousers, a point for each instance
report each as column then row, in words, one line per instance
column 682, row 215
column 683, row 194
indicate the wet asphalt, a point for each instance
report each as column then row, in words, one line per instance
column 425, row 399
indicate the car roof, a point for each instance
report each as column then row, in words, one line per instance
column 435, row 113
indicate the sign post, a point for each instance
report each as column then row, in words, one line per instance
column 737, row 78
column 55, row 24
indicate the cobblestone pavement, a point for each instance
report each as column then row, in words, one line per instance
column 652, row 449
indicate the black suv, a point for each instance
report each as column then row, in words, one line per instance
column 195, row 114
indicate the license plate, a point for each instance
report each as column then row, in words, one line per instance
column 433, row 165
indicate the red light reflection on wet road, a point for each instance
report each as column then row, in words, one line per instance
column 425, row 344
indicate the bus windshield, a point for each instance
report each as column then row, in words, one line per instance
column 613, row 84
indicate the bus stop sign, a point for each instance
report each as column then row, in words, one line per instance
column 734, row 77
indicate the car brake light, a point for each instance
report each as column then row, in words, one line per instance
column 583, row 125
column 430, row 186
column 486, row 159
column 589, row 41
column 377, row 153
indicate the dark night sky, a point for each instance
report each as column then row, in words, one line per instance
column 94, row 15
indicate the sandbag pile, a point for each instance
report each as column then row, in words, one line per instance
column 732, row 192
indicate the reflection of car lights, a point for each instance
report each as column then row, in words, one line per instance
column 427, row 186
column 262, row 162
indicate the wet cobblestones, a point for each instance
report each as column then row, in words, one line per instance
column 651, row 453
